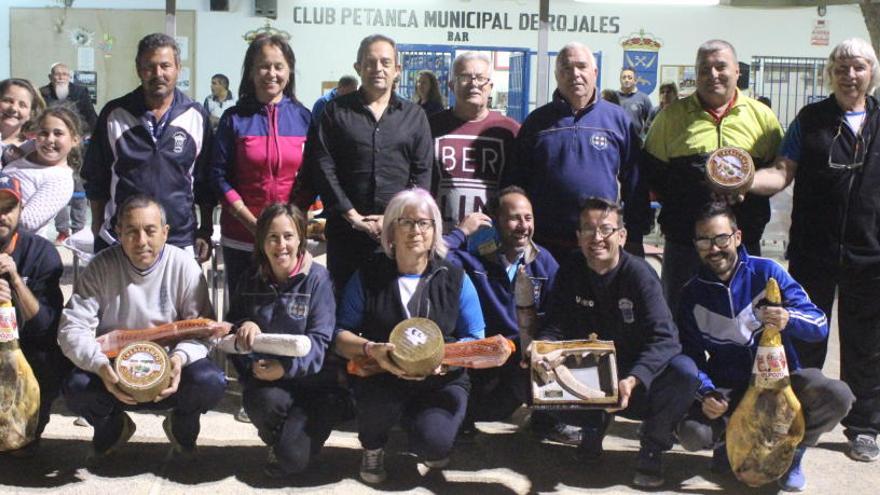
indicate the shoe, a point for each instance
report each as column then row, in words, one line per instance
column 61, row 237
column 373, row 466
column 793, row 480
column 649, row 469
column 863, row 448
column 438, row 463
column 81, row 421
column 242, row 416
column 128, row 429
column 559, row 432
column 589, row 449
column 720, row 462
column 179, row 451
column 273, row 468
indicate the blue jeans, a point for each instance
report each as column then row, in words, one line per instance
column 202, row 385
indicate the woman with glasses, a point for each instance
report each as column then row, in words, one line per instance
column 413, row 280
column 830, row 153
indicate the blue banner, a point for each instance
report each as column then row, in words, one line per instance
column 646, row 67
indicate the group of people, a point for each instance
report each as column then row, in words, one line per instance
column 433, row 216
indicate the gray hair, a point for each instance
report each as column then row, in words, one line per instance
column 851, row 48
column 57, row 65
column 422, row 200
column 137, row 202
column 467, row 57
column 574, row 45
column 712, row 46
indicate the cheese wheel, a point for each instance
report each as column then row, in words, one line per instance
column 730, row 170
column 418, row 346
column 143, row 369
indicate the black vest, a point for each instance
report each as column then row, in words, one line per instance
column 383, row 309
column 836, row 212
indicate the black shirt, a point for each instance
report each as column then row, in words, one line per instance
column 362, row 163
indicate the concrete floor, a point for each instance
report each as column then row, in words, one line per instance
column 503, row 459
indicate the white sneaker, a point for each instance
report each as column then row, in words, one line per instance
column 438, row 463
column 373, row 466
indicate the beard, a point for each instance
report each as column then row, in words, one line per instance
column 6, row 239
column 62, row 90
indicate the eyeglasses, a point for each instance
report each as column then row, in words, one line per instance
column 478, row 80
column 720, row 240
column 410, row 224
column 858, row 152
column 604, row 231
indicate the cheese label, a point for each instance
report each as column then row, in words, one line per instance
column 141, row 364
column 770, row 366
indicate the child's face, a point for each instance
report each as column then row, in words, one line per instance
column 15, row 108
column 54, row 141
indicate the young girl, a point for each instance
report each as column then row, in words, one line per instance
column 19, row 105
column 46, row 174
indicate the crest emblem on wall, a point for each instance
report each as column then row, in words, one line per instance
column 641, row 51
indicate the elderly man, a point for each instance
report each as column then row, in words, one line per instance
column 152, row 141
column 369, row 145
column 472, row 145
column 574, row 147
column 496, row 393
column 680, row 141
column 60, row 90
column 617, row 295
column 140, row 283
column 835, row 239
column 720, row 317
column 30, row 273
column 636, row 103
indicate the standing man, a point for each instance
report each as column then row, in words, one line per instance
column 370, row 145
column 605, row 290
column 30, row 274
column 345, row 85
column 154, row 141
column 574, row 147
column 139, row 283
column 721, row 317
column 680, row 141
column 636, row 103
column 472, row 144
column 60, row 90
column 830, row 153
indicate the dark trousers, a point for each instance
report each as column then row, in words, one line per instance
column 859, row 331
column 660, row 408
column 74, row 214
column 824, row 402
column 497, row 392
column 237, row 264
column 430, row 411
column 295, row 421
column 680, row 263
column 49, row 368
column 347, row 251
column 201, row 387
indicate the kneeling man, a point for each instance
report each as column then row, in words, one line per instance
column 618, row 296
column 139, row 283
column 720, row 315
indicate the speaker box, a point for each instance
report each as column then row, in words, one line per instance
column 266, row 8
column 743, row 81
column 219, row 5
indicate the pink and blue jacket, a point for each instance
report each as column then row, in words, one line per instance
column 258, row 151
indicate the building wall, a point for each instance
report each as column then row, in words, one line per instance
column 327, row 51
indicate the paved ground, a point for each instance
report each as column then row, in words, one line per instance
column 503, row 459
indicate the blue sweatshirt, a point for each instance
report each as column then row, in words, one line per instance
column 719, row 319
column 302, row 305
column 494, row 286
column 563, row 157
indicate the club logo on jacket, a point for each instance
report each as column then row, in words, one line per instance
column 626, row 310
column 583, row 301
column 599, row 141
column 298, row 307
column 179, row 141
